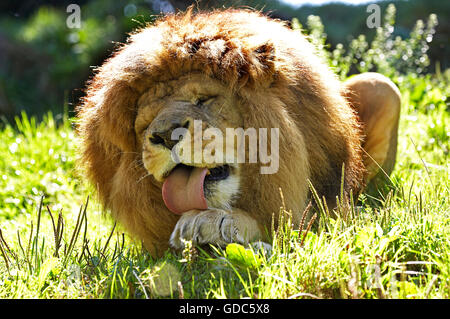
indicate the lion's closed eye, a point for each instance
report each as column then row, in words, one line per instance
column 203, row 100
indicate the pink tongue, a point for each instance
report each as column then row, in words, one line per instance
column 183, row 189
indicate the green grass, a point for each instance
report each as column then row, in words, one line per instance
column 394, row 245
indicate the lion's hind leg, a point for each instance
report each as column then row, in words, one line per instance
column 377, row 101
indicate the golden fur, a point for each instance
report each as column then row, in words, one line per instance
column 265, row 74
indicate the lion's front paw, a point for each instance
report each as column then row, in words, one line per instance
column 212, row 226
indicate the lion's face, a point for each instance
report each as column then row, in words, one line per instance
column 172, row 127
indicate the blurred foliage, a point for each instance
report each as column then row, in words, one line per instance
column 384, row 54
column 404, row 61
column 343, row 23
column 44, row 64
column 58, row 60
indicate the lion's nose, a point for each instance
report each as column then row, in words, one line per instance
column 164, row 137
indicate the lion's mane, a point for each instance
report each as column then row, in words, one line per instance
column 278, row 78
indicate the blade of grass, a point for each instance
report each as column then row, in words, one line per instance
column 107, row 241
column 55, row 233
column 76, row 231
column 36, row 238
column 425, row 165
column 308, row 228
column 5, row 257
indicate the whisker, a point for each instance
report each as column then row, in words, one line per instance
column 137, row 164
column 142, row 178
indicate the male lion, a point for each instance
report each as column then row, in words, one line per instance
column 228, row 69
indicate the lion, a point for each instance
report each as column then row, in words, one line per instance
column 232, row 68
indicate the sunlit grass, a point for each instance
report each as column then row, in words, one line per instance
column 396, row 246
